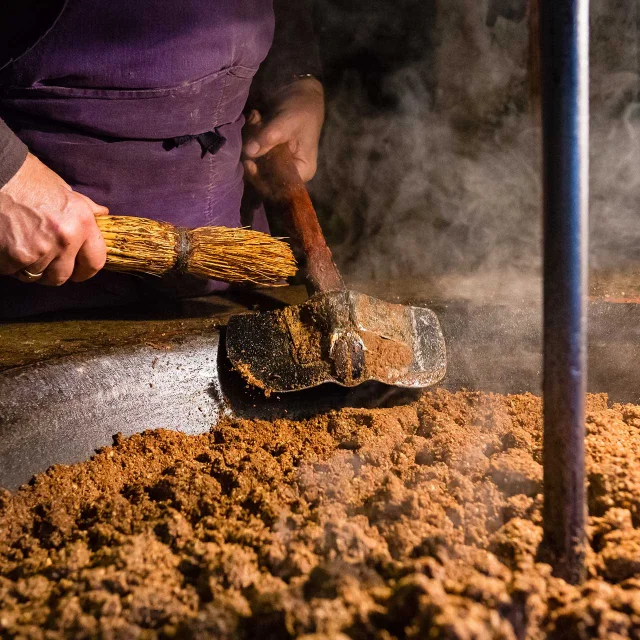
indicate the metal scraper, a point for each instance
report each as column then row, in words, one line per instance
column 337, row 335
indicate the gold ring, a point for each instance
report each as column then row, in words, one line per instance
column 31, row 276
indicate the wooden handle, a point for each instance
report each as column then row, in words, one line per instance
column 285, row 191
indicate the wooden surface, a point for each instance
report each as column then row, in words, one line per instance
column 53, row 336
column 516, row 301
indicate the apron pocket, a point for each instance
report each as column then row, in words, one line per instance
column 152, row 114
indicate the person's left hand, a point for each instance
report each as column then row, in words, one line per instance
column 296, row 117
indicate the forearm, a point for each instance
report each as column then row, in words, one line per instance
column 294, row 53
column 12, row 153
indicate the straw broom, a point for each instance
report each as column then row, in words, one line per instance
column 232, row 255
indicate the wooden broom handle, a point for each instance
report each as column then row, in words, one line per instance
column 283, row 188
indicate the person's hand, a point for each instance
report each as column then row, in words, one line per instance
column 295, row 117
column 47, row 228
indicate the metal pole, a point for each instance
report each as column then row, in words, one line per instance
column 564, row 53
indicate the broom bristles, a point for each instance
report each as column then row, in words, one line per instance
column 239, row 255
column 219, row 253
column 139, row 245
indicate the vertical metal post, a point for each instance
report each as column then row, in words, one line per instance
column 564, row 57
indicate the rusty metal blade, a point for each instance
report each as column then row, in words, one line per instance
column 343, row 337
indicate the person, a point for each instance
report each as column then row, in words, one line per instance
column 137, row 108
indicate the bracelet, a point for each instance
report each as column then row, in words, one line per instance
column 305, row 76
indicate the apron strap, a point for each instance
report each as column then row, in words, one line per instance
column 210, row 141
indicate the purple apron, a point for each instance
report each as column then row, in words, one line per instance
column 138, row 105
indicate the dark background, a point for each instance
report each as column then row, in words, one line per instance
column 429, row 159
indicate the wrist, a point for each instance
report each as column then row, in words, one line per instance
column 304, row 85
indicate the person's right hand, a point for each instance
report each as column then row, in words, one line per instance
column 47, row 228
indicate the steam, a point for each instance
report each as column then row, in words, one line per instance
column 443, row 176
